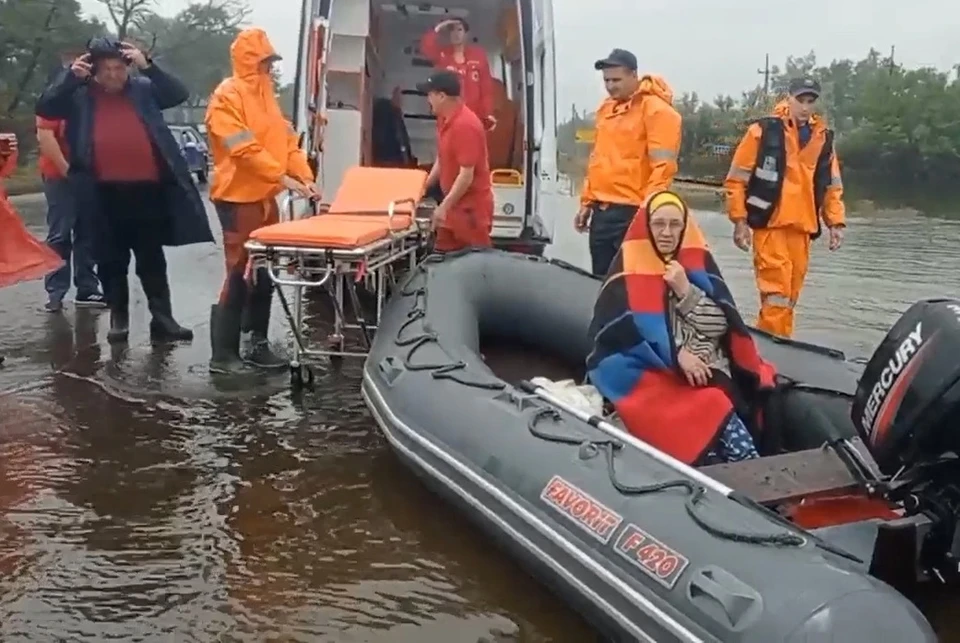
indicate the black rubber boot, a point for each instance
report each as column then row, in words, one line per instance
column 118, row 299
column 257, row 319
column 225, row 342
column 163, row 327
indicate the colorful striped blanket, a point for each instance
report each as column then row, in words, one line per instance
column 634, row 359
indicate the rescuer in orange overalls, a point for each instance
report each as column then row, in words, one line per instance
column 634, row 155
column 783, row 179
column 256, row 155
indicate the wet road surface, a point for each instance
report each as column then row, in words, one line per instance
column 140, row 501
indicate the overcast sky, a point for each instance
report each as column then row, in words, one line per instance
column 701, row 45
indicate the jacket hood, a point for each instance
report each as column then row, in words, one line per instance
column 249, row 49
column 782, row 110
column 656, row 85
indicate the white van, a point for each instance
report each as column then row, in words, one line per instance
column 359, row 57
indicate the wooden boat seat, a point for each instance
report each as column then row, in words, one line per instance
column 779, row 479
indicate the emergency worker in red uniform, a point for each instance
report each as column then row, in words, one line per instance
column 469, row 61
column 465, row 216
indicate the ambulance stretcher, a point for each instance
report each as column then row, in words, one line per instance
column 370, row 233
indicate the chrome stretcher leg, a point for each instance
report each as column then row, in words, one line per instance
column 358, row 313
column 300, row 374
column 337, row 339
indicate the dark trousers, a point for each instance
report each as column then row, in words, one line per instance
column 68, row 235
column 132, row 220
column 608, row 225
column 238, row 221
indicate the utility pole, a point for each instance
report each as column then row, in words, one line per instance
column 893, row 48
column 766, row 75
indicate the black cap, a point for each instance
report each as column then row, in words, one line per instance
column 617, row 58
column 804, row 85
column 104, row 47
column 444, row 81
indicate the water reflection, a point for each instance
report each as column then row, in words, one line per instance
column 142, row 500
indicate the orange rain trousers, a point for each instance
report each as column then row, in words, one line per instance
column 781, row 257
column 239, row 221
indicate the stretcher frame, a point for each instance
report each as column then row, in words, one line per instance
column 337, row 271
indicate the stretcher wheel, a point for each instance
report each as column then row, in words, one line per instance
column 301, row 376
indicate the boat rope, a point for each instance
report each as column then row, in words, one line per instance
column 450, row 370
column 695, row 492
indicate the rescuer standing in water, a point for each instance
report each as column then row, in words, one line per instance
column 783, row 180
column 633, row 157
column 255, row 155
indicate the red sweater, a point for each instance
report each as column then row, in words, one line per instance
column 122, row 150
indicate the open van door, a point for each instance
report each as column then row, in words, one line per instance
column 539, row 118
column 310, row 87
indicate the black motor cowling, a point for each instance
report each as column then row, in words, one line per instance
column 907, row 404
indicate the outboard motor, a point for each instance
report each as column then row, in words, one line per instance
column 907, row 405
column 907, row 411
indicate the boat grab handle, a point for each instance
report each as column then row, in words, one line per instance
column 613, row 431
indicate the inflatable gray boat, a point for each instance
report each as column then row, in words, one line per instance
column 644, row 546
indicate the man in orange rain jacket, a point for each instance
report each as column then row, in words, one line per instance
column 469, row 61
column 22, row 257
column 634, row 155
column 783, row 179
column 255, row 155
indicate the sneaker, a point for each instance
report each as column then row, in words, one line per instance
column 96, row 300
column 53, row 306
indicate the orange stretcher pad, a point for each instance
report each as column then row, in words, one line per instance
column 358, row 215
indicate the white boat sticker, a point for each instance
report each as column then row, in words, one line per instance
column 655, row 559
column 593, row 517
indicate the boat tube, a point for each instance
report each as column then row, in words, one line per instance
column 645, row 547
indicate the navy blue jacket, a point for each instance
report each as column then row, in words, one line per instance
column 153, row 90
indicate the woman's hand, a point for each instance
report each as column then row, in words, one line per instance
column 676, row 278
column 694, row 368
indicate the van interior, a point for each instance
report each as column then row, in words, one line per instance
column 373, row 67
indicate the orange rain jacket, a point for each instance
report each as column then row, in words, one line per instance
column 796, row 208
column 252, row 144
column 636, row 146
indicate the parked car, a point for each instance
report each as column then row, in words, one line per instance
column 194, row 149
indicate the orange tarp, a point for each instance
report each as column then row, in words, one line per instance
column 22, row 257
column 358, row 214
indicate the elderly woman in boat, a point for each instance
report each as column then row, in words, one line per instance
column 671, row 352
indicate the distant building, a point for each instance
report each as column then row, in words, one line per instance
column 718, row 149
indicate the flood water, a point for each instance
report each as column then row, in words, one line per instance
column 139, row 501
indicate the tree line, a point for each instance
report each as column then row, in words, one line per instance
column 897, row 129
column 194, row 43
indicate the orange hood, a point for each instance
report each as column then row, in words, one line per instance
column 250, row 48
column 656, row 85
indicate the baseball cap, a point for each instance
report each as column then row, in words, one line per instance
column 617, row 58
column 804, row 85
column 444, row 81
